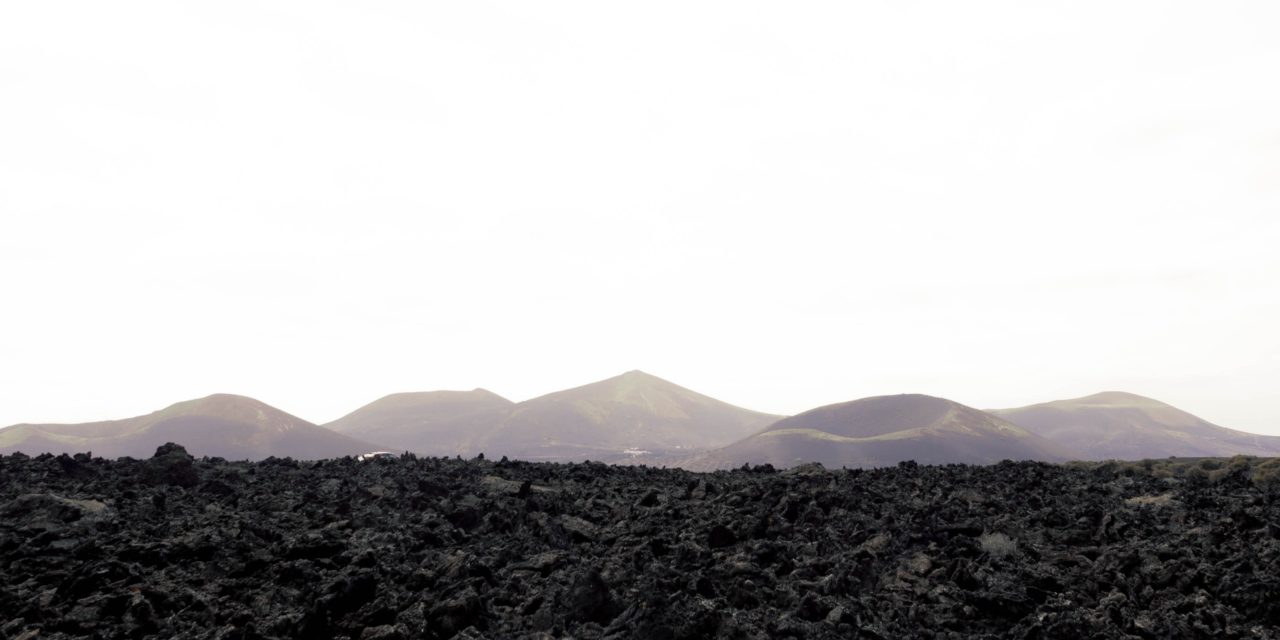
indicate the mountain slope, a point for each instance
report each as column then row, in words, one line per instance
column 430, row 422
column 1126, row 426
column 634, row 416
column 223, row 425
column 885, row 430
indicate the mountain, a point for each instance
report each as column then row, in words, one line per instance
column 1124, row 426
column 631, row 417
column 223, row 425
column 885, row 430
column 430, row 422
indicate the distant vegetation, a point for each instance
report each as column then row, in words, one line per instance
column 1261, row 472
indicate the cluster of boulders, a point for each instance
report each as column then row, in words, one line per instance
column 176, row 547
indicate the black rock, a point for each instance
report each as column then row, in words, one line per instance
column 459, row 612
column 172, row 465
column 439, row 548
column 721, row 537
column 589, row 598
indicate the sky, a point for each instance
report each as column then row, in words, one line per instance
column 781, row 205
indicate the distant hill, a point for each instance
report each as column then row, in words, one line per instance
column 223, row 425
column 1125, row 426
column 883, row 431
column 634, row 416
column 442, row 423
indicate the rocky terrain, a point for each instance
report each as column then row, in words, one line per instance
column 176, row 547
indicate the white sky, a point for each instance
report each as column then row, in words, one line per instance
column 782, row 205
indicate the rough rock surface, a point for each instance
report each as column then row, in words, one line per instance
column 436, row 548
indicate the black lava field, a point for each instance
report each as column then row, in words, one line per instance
column 173, row 547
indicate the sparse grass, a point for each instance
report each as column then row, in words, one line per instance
column 1196, row 474
column 1151, row 501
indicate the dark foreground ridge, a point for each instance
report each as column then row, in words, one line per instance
column 439, row 548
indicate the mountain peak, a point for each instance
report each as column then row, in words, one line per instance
column 632, row 411
column 1115, row 399
column 224, row 400
column 629, row 387
column 636, row 375
column 878, row 415
column 416, row 398
column 229, row 406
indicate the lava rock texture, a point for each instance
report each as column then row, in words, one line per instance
column 175, row 547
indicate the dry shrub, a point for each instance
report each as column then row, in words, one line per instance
column 998, row 545
column 1196, row 474
column 1266, row 475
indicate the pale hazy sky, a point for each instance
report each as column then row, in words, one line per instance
column 781, row 205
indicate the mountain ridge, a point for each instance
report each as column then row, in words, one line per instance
column 1122, row 425
column 218, row 425
column 636, row 417
column 615, row 418
column 439, row 422
column 624, row 418
column 882, row 431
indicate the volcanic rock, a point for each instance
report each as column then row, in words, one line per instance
column 448, row 550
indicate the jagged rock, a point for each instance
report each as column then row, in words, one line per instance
column 173, row 546
column 384, row 632
column 589, row 598
column 721, row 537
column 581, row 530
column 457, row 613
column 172, row 465
column 52, row 510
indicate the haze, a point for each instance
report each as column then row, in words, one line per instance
column 782, row 206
